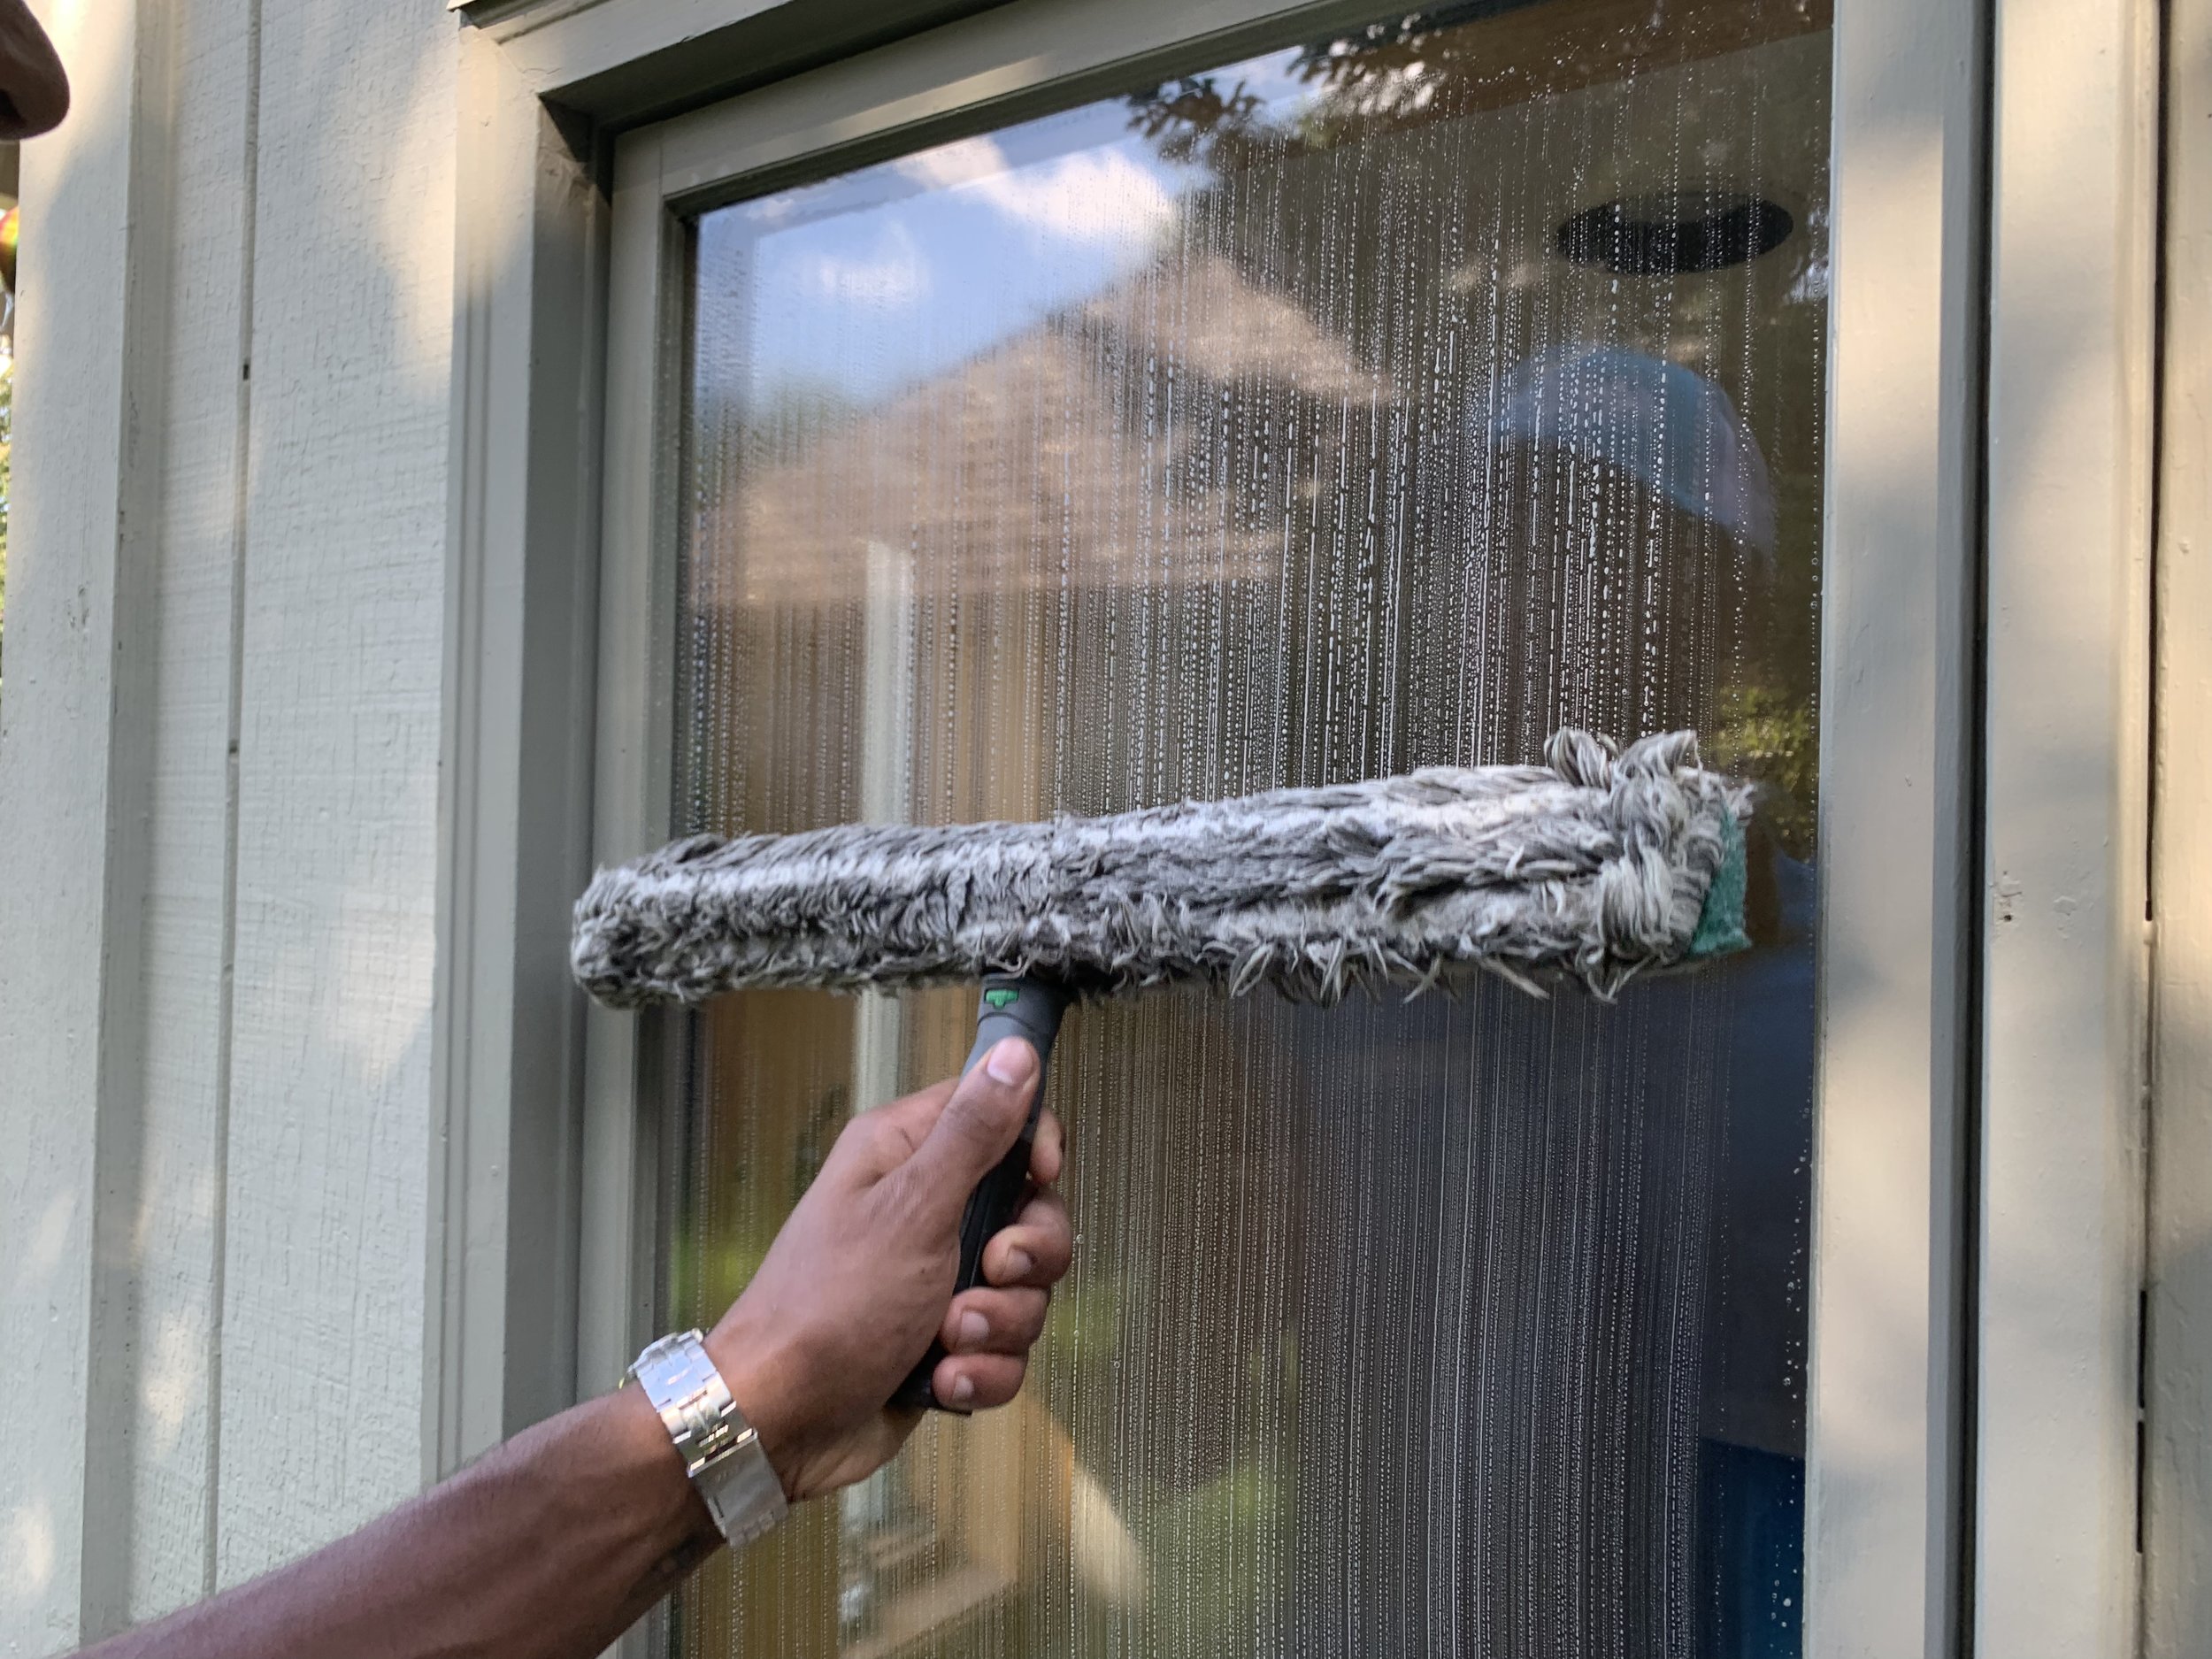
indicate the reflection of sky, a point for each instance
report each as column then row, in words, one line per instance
column 870, row 281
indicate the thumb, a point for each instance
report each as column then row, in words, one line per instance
column 978, row 1126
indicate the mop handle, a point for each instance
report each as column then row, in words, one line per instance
column 1010, row 1006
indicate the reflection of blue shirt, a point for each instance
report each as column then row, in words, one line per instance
column 1608, row 1189
column 1535, row 1264
column 1659, row 422
column 1756, row 1301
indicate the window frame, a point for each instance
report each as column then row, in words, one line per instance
column 561, row 608
column 998, row 68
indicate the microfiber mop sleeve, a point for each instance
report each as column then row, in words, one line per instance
column 1594, row 867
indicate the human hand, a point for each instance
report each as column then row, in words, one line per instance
column 860, row 1279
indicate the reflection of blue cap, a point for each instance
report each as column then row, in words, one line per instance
column 1662, row 423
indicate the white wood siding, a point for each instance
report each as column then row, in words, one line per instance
column 53, row 813
column 215, row 975
column 195, row 460
column 338, row 775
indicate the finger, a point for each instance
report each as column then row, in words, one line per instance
column 982, row 1321
column 977, row 1126
column 976, row 1382
column 1034, row 1248
column 882, row 1138
column 1046, row 1157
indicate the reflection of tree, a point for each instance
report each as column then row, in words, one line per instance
column 1187, row 116
column 1454, row 59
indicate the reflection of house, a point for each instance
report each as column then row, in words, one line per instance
column 1039, row 464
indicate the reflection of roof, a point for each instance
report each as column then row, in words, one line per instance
column 1061, row 456
column 1212, row 318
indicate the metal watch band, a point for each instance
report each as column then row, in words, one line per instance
column 721, row 1452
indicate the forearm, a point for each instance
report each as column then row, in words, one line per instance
column 554, row 1543
column 551, row 1546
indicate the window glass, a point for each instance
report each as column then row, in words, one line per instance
column 1384, row 399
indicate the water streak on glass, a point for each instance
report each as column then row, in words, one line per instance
column 1384, row 400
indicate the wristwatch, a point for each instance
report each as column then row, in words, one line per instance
column 721, row 1451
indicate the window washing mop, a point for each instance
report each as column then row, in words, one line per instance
column 1599, row 865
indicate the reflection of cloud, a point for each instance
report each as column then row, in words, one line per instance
column 895, row 278
column 1095, row 195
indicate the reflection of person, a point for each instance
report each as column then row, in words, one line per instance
column 558, row 1540
column 1687, row 509
column 1628, row 528
column 1551, row 1351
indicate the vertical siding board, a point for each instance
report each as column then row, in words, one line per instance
column 323, row 1319
column 194, row 544
column 56, row 814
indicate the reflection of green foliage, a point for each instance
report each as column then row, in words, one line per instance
column 818, row 1134
column 1192, row 119
column 705, row 1273
column 1769, row 737
column 1208, row 1548
column 1786, row 642
column 1085, row 1319
column 1406, row 69
column 1205, row 1548
column 734, row 1263
column 712, row 1257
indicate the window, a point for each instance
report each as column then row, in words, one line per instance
column 1385, row 398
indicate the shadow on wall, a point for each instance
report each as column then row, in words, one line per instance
column 261, row 1165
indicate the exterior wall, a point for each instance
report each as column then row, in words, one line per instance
column 2178, row 1395
column 219, row 793
column 54, row 739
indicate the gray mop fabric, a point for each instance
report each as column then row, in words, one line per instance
column 1594, row 867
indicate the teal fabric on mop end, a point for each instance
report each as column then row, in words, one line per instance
column 1720, row 929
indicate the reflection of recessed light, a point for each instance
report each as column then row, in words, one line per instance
column 1660, row 235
